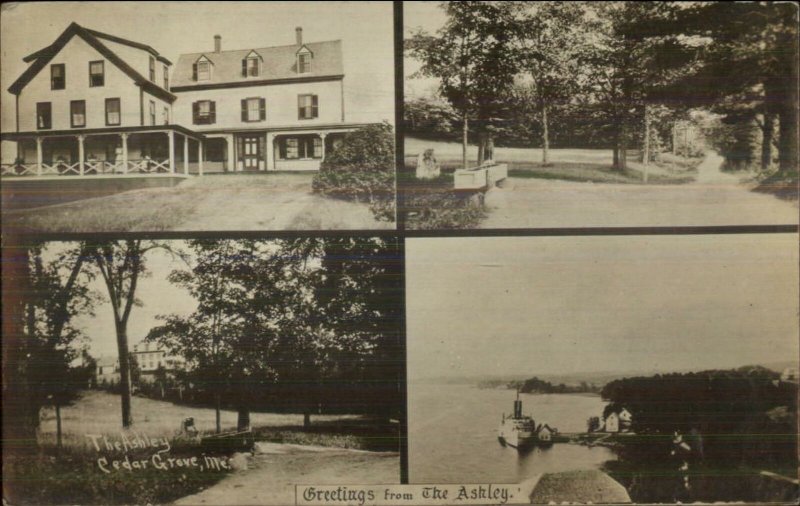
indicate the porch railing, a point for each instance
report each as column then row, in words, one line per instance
column 90, row 168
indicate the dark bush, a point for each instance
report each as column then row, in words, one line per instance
column 362, row 169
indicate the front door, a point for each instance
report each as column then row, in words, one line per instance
column 252, row 152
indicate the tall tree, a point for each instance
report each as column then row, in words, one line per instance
column 472, row 56
column 121, row 264
column 60, row 292
column 552, row 38
column 738, row 48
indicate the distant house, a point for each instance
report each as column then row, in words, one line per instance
column 107, row 371
column 618, row 421
column 150, row 358
column 545, row 432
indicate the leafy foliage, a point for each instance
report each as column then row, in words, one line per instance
column 362, row 169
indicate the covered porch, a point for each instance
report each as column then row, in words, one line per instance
column 134, row 151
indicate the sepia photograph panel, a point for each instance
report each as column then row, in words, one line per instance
column 644, row 369
column 599, row 114
column 195, row 116
column 200, row 371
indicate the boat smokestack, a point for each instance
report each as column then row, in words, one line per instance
column 517, row 409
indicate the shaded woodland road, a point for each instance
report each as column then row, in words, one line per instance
column 714, row 199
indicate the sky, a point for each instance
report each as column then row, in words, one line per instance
column 557, row 305
column 157, row 295
column 427, row 16
column 173, row 28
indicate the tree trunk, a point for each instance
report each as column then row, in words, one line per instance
column 464, row 142
column 646, row 146
column 545, row 136
column 243, row 419
column 58, row 426
column 788, row 135
column 767, row 133
column 217, row 405
column 481, row 147
column 306, row 420
column 623, row 149
column 124, row 374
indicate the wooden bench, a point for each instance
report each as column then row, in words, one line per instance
column 480, row 178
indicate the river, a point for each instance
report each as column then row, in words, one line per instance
column 452, row 433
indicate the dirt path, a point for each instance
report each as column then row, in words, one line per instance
column 714, row 199
column 273, row 473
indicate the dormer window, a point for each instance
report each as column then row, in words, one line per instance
column 202, row 69
column 251, row 65
column 304, row 57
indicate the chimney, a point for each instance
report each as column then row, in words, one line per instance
column 217, row 43
column 298, row 33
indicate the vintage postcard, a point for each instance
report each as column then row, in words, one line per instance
column 202, row 371
column 192, row 116
column 599, row 114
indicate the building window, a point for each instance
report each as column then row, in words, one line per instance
column 57, row 79
column 152, row 113
column 96, row 74
column 254, row 109
column 204, row 112
column 307, row 107
column 44, row 117
column 113, row 116
column 152, row 69
column 303, row 63
column 299, row 148
column 166, row 115
column 77, row 113
column 203, row 71
column 251, row 66
column 166, row 77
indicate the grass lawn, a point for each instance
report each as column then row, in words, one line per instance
column 274, row 201
column 72, row 475
column 582, row 165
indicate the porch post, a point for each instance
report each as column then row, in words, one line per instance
column 171, row 137
column 322, row 136
column 80, row 154
column 124, row 138
column 39, row 141
column 270, row 155
column 200, row 157
column 231, row 153
column 185, row 154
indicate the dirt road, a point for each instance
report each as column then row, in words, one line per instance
column 716, row 198
column 273, row 473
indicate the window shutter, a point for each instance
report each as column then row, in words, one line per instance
column 212, row 112
column 262, row 146
column 195, row 112
column 314, row 107
column 300, row 106
column 262, row 109
column 244, row 109
column 244, row 67
column 282, row 148
column 194, row 71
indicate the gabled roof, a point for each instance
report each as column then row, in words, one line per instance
column 254, row 52
column 107, row 36
column 280, row 64
column 203, row 56
column 304, row 49
column 44, row 56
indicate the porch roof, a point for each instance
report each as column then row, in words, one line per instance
column 73, row 132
